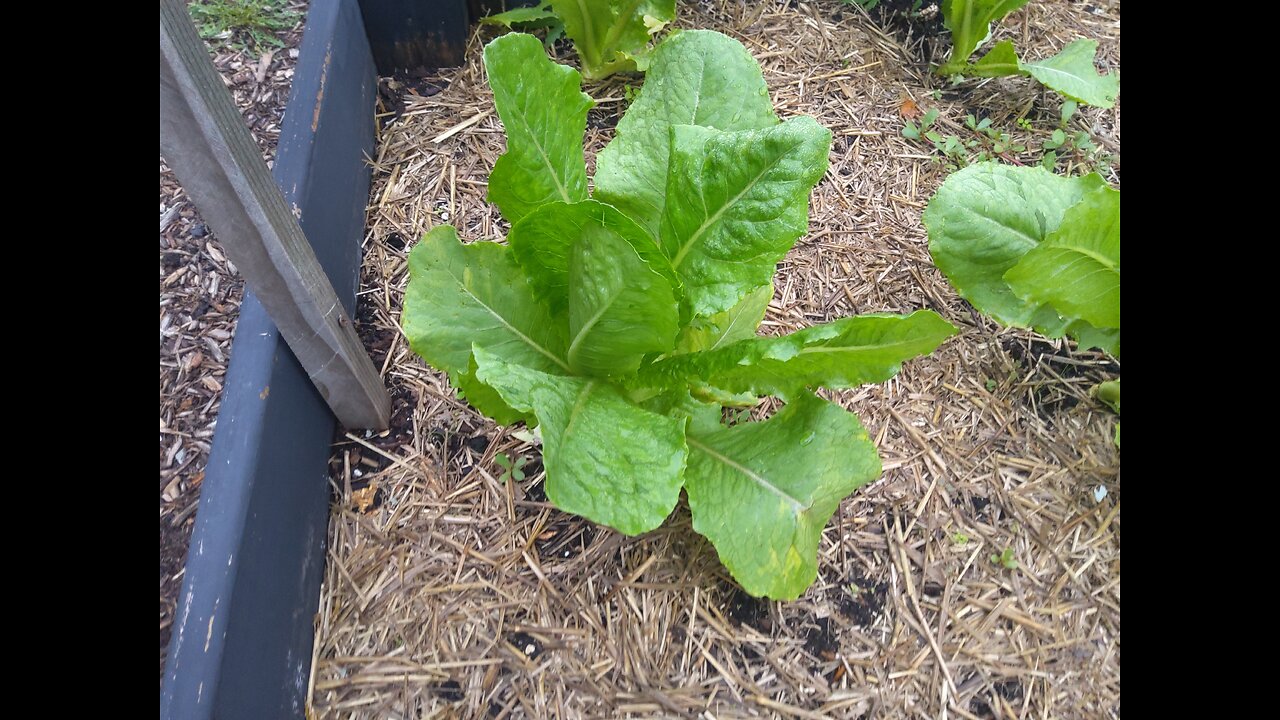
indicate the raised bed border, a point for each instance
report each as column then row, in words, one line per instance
column 242, row 640
column 245, row 623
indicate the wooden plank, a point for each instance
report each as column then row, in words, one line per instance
column 244, row 630
column 204, row 141
column 410, row 37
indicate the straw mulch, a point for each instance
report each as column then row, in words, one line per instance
column 451, row 593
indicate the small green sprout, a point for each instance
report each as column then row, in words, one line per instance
column 912, row 131
column 512, row 468
column 1005, row 560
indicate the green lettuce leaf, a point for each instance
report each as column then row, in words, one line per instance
column 697, row 77
column 591, row 261
column 846, row 353
column 680, row 404
column 606, row 458
column 737, row 323
column 736, row 203
column 459, row 295
column 1076, row 270
column 619, row 309
column 984, row 219
column 542, row 240
column 525, row 19
column 762, row 492
column 1002, row 60
column 1109, row 393
column 1072, row 73
column 522, row 15
column 970, row 24
column 613, row 35
column 1085, row 334
column 484, row 398
column 545, row 115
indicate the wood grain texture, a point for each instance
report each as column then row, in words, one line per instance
column 203, row 139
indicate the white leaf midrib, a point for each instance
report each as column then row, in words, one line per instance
column 755, row 477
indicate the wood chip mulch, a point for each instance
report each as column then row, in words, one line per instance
column 199, row 302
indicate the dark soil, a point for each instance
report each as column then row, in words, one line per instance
column 912, row 22
column 747, row 610
column 864, row 603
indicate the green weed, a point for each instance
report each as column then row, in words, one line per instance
column 249, row 25
column 511, row 468
column 1005, row 560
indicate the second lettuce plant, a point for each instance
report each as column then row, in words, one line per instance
column 1034, row 249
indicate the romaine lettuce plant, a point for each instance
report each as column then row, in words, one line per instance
column 1033, row 249
column 610, row 35
column 1071, row 72
column 622, row 322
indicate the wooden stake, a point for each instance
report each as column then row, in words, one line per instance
column 205, row 142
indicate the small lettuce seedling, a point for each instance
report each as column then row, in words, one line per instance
column 622, row 322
